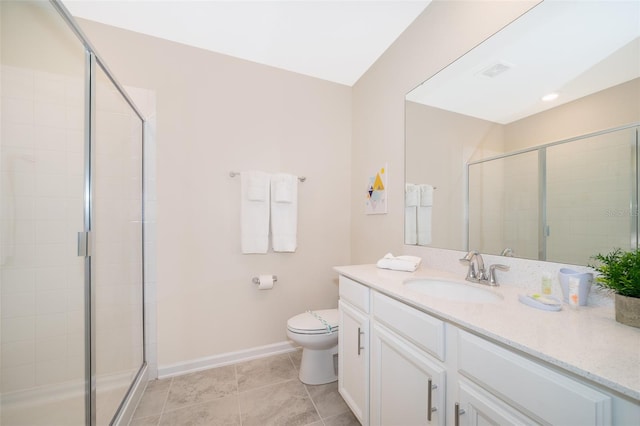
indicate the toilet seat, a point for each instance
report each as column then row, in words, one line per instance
column 314, row 322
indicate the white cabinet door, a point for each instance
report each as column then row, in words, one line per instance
column 353, row 360
column 478, row 407
column 407, row 386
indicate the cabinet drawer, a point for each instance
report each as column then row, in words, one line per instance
column 355, row 293
column 419, row 328
column 538, row 390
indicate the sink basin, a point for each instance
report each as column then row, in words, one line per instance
column 452, row 290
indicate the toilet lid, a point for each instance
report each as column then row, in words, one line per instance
column 322, row 321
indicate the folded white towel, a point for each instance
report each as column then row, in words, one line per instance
column 411, row 225
column 411, row 201
column 254, row 212
column 399, row 263
column 411, row 195
column 284, row 212
column 424, row 215
column 426, row 195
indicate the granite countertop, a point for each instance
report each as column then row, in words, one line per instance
column 586, row 341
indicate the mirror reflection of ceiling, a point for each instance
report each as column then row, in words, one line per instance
column 573, row 48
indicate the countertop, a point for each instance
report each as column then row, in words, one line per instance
column 586, row 341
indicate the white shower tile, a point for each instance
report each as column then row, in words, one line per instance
column 20, row 280
column 18, row 304
column 17, row 82
column 75, row 321
column 50, row 302
column 54, row 254
column 18, row 328
column 50, row 138
column 48, row 208
column 51, row 162
column 18, row 378
column 18, row 135
column 75, row 300
column 18, row 353
column 49, row 114
column 19, row 255
column 51, row 325
column 50, row 372
column 18, row 111
column 51, row 349
column 48, row 87
column 51, row 185
column 74, row 116
column 18, row 185
column 18, row 160
column 51, row 278
column 75, row 140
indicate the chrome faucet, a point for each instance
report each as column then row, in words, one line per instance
column 481, row 276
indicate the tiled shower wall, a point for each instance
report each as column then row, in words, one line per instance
column 42, row 287
column 42, row 205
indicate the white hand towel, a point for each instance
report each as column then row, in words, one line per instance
column 412, row 200
column 284, row 212
column 411, row 195
column 399, row 263
column 426, row 195
column 424, row 214
column 254, row 212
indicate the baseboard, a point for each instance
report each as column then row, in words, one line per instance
column 228, row 358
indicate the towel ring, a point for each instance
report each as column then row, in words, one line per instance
column 234, row 174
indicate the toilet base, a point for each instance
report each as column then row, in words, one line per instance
column 318, row 366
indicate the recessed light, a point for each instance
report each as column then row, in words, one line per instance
column 550, row 97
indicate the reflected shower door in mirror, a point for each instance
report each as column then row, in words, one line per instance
column 489, row 103
column 564, row 201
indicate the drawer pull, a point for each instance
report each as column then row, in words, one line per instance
column 360, row 347
column 430, row 409
column 459, row 411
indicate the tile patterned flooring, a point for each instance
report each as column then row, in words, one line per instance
column 260, row 392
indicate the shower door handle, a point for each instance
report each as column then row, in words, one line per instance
column 84, row 244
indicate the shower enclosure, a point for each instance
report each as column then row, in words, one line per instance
column 71, row 226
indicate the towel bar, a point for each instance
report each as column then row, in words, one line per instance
column 234, row 174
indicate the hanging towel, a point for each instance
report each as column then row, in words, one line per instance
column 284, row 212
column 424, row 214
column 399, row 263
column 412, row 199
column 254, row 212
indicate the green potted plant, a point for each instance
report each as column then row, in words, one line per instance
column 619, row 272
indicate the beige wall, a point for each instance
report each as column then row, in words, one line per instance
column 216, row 114
column 445, row 31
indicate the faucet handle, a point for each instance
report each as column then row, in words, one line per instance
column 492, row 272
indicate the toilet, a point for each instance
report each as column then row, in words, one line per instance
column 317, row 333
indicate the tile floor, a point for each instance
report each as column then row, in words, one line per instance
column 260, row 392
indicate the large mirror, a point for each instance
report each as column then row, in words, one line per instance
column 527, row 145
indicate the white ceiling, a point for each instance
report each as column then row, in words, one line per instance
column 332, row 40
column 574, row 48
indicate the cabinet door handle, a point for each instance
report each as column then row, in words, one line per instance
column 360, row 347
column 430, row 409
column 459, row 411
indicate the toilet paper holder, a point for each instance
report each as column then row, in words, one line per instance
column 256, row 280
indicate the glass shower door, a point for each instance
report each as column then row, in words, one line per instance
column 117, row 263
column 42, row 364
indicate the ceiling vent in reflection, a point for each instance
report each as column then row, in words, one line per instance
column 495, row 69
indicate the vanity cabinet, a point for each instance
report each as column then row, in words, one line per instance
column 353, row 347
column 407, row 381
column 519, row 382
column 415, row 369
